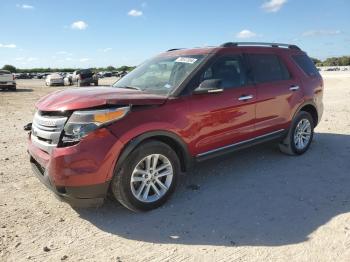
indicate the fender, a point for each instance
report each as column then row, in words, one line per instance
column 186, row 161
column 306, row 103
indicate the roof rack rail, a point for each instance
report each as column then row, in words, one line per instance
column 233, row 44
column 174, row 49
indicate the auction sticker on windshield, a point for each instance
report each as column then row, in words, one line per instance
column 188, row 60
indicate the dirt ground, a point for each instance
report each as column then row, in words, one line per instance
column 254, row 205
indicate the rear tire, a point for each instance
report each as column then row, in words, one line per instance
column 300, row 135
column 150, row 170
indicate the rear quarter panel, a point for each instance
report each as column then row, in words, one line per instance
column 312, row 87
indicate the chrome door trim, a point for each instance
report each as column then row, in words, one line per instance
column 294, row 88
column 245, row 98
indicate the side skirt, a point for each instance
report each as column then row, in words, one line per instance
column 240, row 145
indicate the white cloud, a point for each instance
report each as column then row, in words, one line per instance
column 79, row 25
column 244, row 34
column 321, row 32
column 7, row 46
column 24, row 6
column 31, row 59
column 62, row 53
column 273, row 5
column 105, row 50
column 84, row 59
column 134, row 12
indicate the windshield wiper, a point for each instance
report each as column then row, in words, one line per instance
column 130, row 87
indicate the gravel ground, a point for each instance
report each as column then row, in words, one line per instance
column 254, row 205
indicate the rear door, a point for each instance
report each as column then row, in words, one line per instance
column 222, row 118
column 278, row 91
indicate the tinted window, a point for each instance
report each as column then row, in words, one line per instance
column 306, row 64
column 228, row 69
column 268, row 68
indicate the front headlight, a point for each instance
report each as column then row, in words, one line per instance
column 81, row 123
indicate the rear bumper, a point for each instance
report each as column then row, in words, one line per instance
column 8, row 84
column 88, row 80
column 56, row 83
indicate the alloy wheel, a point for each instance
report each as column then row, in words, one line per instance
column 302, row 134
column 151, row 178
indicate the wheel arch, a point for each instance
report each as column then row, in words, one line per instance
column 311, row 108
column 169, row 138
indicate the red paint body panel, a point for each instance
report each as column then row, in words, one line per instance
column 88, row 163
column 78, row 98
column 203, row 122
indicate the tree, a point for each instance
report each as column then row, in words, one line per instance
column 125, row 68
column 315, row 60
column 10, row 68
column 110, row 68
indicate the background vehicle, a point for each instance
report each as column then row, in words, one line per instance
column 54, row 79
column 122, row 74
column 84, row 77
column 177, row 109
column 68, row 79
column 23, row 76
column 7, row 80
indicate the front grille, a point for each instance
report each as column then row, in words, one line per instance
column 46, row 130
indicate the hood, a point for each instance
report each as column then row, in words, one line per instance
column 80, row 98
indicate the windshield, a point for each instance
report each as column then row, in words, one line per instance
column 160, row 75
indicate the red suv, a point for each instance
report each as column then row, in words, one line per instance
column 133, row 139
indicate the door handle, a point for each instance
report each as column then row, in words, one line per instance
column 245, row 97
column 294, row 88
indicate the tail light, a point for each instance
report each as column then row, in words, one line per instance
column 13, row 77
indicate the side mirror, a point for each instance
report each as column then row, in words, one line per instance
column 209, row 86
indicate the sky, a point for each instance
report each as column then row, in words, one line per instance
column 76, row 33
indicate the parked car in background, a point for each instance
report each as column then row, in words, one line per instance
column 23, row 76
column 122, row 74
column 7, row 80
column 84, row 77
column 54, row 79
column 68, row 79
column 104, row 74
column 135, row 138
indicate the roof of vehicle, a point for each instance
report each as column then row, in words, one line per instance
column 5, row 72
column 232, row 45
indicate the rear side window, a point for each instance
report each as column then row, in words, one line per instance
column 4, row 72
column 268, row 68
column 306, row 64
column 86, row 73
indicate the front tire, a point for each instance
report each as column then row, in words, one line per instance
column 300, row 135
column 147, row 177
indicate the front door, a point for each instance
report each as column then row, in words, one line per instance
column 225, row 117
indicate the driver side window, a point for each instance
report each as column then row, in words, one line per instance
column 229, row 70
